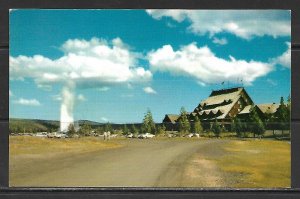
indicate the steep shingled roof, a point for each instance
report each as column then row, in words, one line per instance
column 222, row 98
column 220, row 102
column 246, row 110
column 268, row 108
column 172, row 117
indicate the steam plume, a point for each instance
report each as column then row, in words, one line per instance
column 66, row 109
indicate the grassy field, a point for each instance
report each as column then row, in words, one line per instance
column 28, row 146
column 256, row 163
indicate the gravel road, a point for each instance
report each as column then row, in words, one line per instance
column 140, row 163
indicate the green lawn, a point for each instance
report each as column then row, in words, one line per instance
column 257, row 163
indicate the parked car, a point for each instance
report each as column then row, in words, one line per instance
column 57, row 135
column 60, row 135
column 51, row 135
column 149, row 135
column 171, row 135
column 113, row 135
column 146, row 135
column 190, row 135
column 41, row 134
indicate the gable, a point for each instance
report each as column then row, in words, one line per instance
column 170, row 118
column 223, row 103
column 268, row 108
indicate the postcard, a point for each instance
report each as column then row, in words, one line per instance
column 150, row 98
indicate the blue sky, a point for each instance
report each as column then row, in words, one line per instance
column 159, row 59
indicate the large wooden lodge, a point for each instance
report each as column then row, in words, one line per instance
column 223, row 105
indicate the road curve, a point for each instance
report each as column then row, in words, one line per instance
column 141, row 163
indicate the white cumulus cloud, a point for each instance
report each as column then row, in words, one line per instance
column 285, row 58
column 221, row 41
column 93, row 63
column 242, row 23
column 27, row 102
column 149, row 90
column 204, row 66
column 11, row 93
column 177, row 15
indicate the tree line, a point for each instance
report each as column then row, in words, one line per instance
column 253, row 124
column 148, row 126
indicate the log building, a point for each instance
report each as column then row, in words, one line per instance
column 223, row 105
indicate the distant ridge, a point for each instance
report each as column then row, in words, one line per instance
column 48, row 123
column 32, row 124
column 18, row 124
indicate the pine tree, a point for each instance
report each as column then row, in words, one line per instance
column 107, row 127
column 134, row 130
column 237, row 127
column 151, row 122
column 216, row 128
column 289, row 112
column 85, row 130
column 184, row 124
column 289, row 102
column 197, row 127
column 282, row 115
column 256, row 125
column 71, row 130
column 99, row 130
column 269, row 122
column 148, row 125
column 125, row 130
column 161, row 130
column 181, row 126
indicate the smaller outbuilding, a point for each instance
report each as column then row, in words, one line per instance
column 171, row 118
column 245, row 113
column 170, row 121
column 268, row 108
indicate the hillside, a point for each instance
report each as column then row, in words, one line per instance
column 17, row 125
column 32, row 125
column 35, row 125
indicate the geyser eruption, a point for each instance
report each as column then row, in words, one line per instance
column 66, row 109
column 85, row 64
